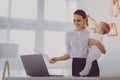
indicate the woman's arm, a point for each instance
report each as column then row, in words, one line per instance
column 64, row 57
column 98, row 44
column 56, row 59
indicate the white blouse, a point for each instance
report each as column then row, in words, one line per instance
column 77, row 43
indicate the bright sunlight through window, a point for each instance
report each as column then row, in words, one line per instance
column 24, row 9
column 54, row 43
column 3, row 7
column 59, row 10
column 25, row 39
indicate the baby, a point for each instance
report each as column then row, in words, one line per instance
column 94, row 53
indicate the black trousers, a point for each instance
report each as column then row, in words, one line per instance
column 78, row 65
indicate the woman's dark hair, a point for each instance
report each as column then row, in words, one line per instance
column 83, row 14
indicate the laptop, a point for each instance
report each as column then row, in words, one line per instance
column 35, row 65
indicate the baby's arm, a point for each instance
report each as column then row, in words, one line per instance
column 93, row 20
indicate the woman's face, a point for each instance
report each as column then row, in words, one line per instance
column 78, row 21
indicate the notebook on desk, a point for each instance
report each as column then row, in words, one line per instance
column 35, row 65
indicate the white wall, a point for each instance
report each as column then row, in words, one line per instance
column 100, row 10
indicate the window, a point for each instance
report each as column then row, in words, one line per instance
column 24, row 9
column 25, row 39
column 61, row 10
column 54, row 43
column 3, row 8
column 3, row 34
column 72, row 6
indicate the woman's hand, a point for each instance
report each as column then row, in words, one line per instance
column 53, row 60
column 90, row 42
column 61, row 58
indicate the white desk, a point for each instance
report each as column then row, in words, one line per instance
column 52, row 78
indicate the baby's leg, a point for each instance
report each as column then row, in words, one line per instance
column 91, row 57
column 87, row 67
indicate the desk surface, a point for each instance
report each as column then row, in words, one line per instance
column 53, row 78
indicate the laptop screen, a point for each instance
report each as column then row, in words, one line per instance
column 34, row 65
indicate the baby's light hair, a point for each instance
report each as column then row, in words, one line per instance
column 105, row 27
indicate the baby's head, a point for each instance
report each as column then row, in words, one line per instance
column 102, row 28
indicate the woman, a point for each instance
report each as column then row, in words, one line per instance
column 77, row 45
